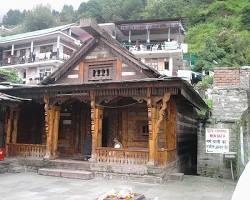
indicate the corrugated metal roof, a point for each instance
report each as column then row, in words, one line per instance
column 33, row 33
column 11, row 99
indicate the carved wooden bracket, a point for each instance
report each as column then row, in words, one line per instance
column 162, row 111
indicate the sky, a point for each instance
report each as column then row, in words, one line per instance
column 29, row 4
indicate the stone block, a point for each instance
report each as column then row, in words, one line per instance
column 176, row 176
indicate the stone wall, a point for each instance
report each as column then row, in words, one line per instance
column 243, row 149
column 230, row 100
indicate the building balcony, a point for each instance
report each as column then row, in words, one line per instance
column 41, row 58
column 164, row 47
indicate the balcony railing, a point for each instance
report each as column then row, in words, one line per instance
column 173, row 45
column 27, row 150
column 122, row 156
column 15, row 60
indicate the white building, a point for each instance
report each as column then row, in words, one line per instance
column 37, row 54
column 157, row 43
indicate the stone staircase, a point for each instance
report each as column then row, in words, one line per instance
column 65, row 173
column 67, row 169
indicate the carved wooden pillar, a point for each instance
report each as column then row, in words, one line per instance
column 48, row 127
column 9, row 126
column 152, row 143
column 125, row 128
column 93, row 126
column 156, row 115
column 56, row 121
column 52, row 117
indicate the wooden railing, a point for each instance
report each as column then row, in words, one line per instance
column 165, row 156
column 122, row 156
column 27, row 150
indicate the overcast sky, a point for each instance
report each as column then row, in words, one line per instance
column 29, row 4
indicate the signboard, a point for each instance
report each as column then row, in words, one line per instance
column 217, row 140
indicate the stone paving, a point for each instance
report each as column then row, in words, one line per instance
column 30, row 186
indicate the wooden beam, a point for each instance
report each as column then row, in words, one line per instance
column 118, row 74
column 81, row 71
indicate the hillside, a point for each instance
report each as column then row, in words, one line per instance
column 219, row 33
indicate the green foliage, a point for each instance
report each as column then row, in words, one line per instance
column 206, row 83
column 67, row 14
column 218, row 34
column 245, row 18
column 209, row 103
column 39, row 18
column 13, row 17
column 10, row 75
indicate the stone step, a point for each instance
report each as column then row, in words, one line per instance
column 69, row 164
column 65, row 173
column 130, row 177
column 176, row 176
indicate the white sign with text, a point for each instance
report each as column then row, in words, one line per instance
column 217, row 140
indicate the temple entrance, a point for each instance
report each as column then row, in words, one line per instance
column 74, row 138
column 126, row 120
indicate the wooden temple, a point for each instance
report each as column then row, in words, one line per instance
column 103, row 92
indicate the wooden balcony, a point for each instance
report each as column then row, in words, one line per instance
column 27, row 150
column 122, row 156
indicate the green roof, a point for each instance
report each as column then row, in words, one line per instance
column 32, row 34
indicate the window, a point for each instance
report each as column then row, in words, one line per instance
column 22, row 52
column 101, row 70
column 152, row 62
column 44, row 72
column 46, row 48
column 166, row 65
column 24, row 74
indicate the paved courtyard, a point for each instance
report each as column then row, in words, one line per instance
column 30, row 186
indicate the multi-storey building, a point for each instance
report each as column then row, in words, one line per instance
column 35, row 55
column 157, row 43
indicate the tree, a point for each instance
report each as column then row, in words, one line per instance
column 10, row 75
column 39, row 18
column 13, row 17
column 245, row 18
column 67, row 14
column 91, row 9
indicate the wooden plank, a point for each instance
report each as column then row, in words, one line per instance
column 81, row 71
column 118, row 70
